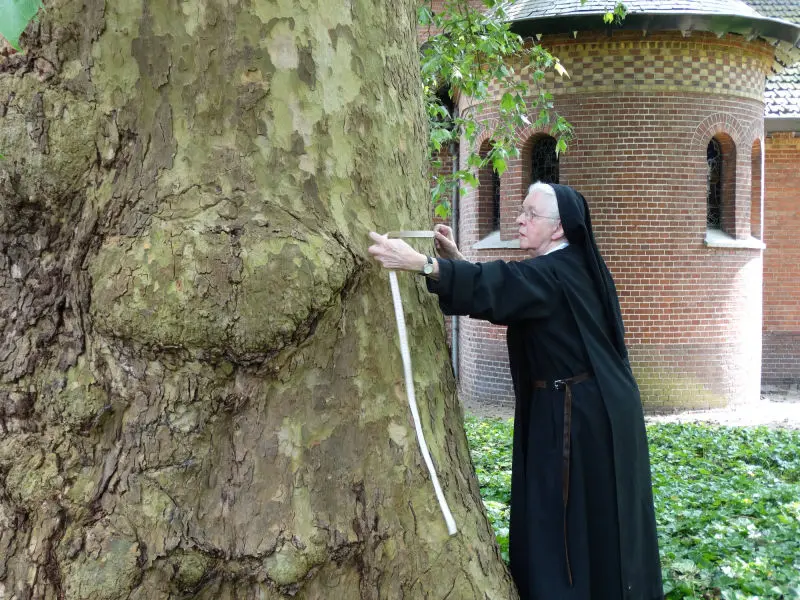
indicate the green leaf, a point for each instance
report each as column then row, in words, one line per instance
column 470, row 129
column 15, row 16
column 499, row 165
column 439, row 137
column 474, row 161
column 424, row 16
column 507, row 103
column 608, row 18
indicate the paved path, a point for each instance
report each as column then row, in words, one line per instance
column 779, row 406
column 766, row 412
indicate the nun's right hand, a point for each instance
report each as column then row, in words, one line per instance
column 444, row 243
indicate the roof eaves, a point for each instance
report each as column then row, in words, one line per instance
column 783, row 35
column 774, row 124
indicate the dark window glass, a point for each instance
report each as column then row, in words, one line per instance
column 714, row 185
column 495, row 201
column 544, row 165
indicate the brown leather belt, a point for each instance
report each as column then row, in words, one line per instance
column 564, row 384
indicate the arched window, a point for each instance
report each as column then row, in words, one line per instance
column 721, row 185
column 714, row 185
column 544, row 160
column 488, row 207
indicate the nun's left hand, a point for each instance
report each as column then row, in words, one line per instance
column 395, row 254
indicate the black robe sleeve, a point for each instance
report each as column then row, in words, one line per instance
column 500, row 292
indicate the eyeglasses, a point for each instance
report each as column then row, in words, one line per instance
column 529, row 214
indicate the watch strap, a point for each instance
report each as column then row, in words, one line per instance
column 428, row 268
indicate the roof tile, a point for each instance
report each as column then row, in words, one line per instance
column 788, row 10
column 782, row 93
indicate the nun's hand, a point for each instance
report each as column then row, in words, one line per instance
column 395, row 254
column 444, row 243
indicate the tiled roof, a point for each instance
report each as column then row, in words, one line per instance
column 782, row 94
column 719, row 16
column 532, row 9
column 788, row 10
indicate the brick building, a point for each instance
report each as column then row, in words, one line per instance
column 693, row 182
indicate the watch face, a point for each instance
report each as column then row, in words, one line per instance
column 427, row 269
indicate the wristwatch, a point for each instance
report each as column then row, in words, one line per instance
column 427, row 268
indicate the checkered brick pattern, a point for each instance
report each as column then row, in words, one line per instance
column 666, row 62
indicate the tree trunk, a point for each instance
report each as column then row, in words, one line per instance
column 201, row 392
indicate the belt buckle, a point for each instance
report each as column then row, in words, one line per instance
column 559, row 384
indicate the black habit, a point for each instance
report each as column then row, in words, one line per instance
column 563, row 320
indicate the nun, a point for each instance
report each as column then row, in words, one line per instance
column 582, row 518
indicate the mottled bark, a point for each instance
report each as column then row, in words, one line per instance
column 200, row 387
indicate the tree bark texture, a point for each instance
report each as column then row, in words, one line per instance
column 201, row 393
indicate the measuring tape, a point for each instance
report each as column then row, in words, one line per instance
column 412, row 399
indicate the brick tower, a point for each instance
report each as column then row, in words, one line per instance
column 668, row 112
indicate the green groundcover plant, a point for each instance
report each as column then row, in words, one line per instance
column 727, row 504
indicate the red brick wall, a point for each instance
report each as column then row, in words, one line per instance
column 423, row 33
column 756, row 195
column 782, row 259
column 644, row 110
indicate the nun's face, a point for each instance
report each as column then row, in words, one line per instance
column 539, row 228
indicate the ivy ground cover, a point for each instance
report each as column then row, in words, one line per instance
column 727, row 505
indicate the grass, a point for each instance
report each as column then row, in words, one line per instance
column 727, row 505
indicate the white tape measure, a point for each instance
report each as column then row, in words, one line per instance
column 412, row 399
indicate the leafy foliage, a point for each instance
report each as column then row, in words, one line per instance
column 617, row 15
column 15, row 16
column 490, row 445
column 471, row 51
column 727, row 504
